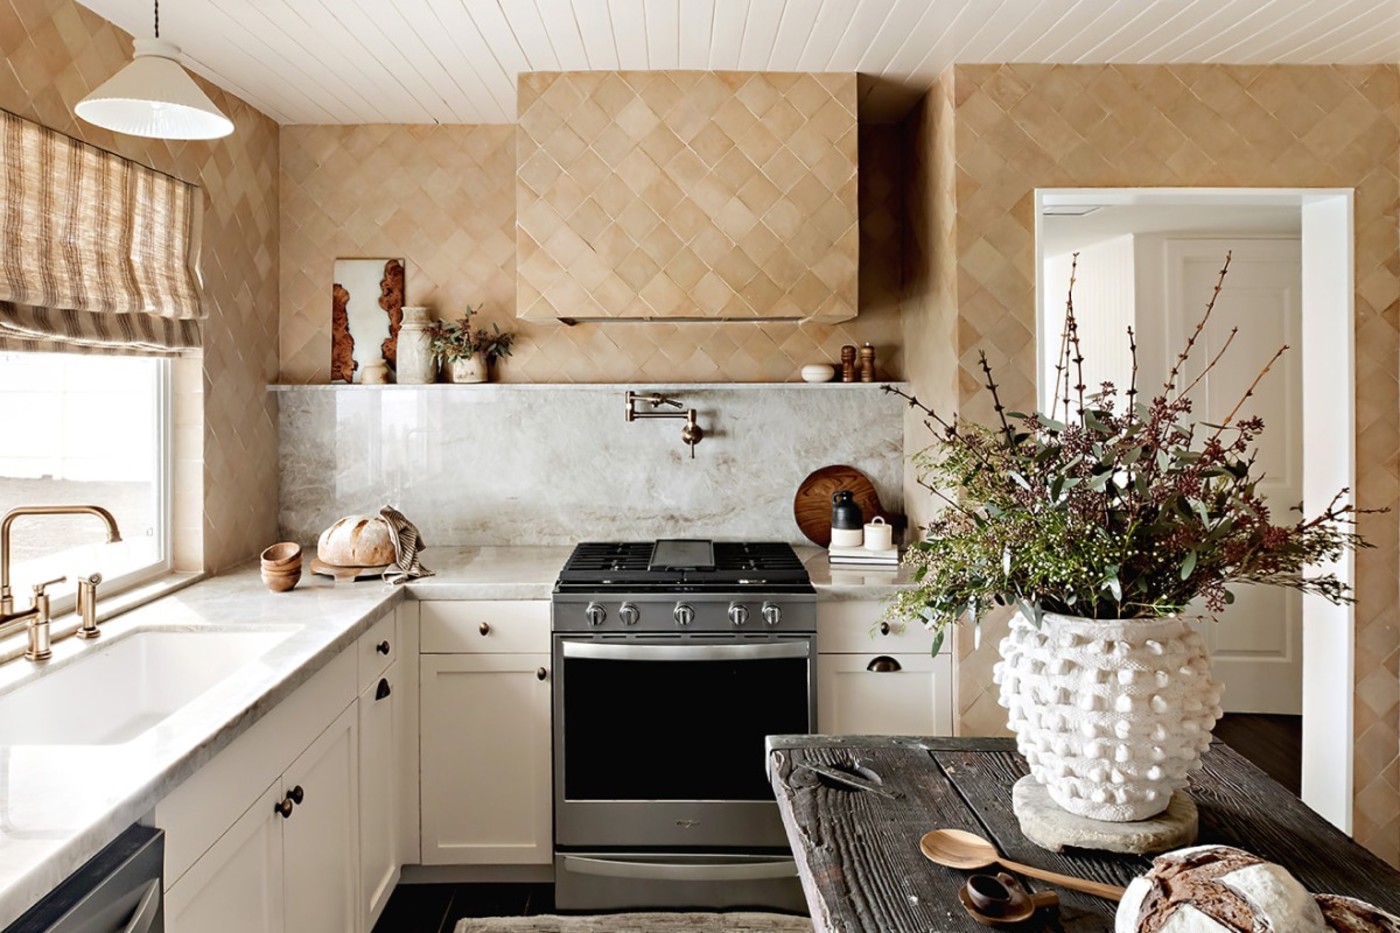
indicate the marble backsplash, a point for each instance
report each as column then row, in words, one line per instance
column 558, row 464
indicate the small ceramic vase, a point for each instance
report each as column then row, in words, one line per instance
column 376, row 373
column 416, row 363
column 469, row 369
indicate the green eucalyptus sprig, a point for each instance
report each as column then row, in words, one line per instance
column 1108, row 507
column 459, row 340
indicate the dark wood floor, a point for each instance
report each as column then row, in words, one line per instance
column 1273, row 743
column 436, row 908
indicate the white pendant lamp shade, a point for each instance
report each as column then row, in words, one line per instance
column 154, row 96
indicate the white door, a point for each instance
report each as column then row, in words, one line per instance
column 870, row 694
column 1256, row 646
column 321, row 838
column 237, row 885
column 486, row 780
column 379, row 792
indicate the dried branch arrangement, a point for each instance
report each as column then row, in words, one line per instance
column 1108, row 507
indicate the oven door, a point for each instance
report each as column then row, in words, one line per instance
column 659, row 741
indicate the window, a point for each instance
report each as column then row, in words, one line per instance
column 85, row 429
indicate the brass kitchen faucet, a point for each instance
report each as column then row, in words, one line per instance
column 37, row 615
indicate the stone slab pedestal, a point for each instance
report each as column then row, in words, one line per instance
column 1048, row 826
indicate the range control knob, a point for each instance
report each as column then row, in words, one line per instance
column 595, row 614
column 772, row 614
column 683, row 614
column 738, row 613
column 628, row 613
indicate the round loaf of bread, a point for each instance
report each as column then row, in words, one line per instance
column 357, row 541
column 1348, row 915
column 1217, row 889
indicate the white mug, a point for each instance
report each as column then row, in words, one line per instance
column 879, row 535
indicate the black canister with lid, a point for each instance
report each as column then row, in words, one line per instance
column 845, row 513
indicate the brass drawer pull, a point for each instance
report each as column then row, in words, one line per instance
column 484, row 628
column 541, row 674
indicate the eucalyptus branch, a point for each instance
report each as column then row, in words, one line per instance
column 996, row 399
column 1200, row 326
column 1211, row 365
column 1250, row 391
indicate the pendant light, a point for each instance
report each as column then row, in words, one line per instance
column 154, row 96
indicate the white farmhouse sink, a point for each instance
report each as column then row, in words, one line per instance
column 115, row 692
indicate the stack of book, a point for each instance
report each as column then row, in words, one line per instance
column 864, row 558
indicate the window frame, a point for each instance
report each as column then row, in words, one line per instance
column 164, row 481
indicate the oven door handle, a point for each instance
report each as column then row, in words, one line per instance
column 758, row 870
column 611, row 651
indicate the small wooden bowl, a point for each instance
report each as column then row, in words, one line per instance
column 282, row 556
column 280, row 581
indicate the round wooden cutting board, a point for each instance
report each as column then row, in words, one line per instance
column 812, row 505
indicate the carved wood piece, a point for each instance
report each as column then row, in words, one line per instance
column 342, row 341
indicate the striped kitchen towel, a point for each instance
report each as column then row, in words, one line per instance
column 407, row 543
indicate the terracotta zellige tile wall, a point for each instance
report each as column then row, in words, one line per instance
column 52, row 53
column 1019, row 127
column 646, row 194
column 443, row 199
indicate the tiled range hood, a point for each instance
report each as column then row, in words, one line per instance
column 686, row 195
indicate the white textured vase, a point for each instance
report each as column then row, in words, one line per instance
column 1111, row 716
column 416, row 363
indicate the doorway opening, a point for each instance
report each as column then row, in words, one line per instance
column 1151, row 249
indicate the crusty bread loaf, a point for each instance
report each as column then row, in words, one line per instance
column 1217, row 889
column 357, row 541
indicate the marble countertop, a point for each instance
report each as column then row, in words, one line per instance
column 59, row 805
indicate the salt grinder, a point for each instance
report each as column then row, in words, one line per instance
column 848, row 363
column 867, row 363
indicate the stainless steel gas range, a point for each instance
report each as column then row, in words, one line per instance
column 673, row 660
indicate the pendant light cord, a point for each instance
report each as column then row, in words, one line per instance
column 157, row 19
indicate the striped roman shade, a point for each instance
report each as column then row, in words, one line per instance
column 97, row 252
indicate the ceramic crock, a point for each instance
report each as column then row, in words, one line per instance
column 1111, row 716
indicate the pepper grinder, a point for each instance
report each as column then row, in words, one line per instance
column 867, row 363
column 848, row 363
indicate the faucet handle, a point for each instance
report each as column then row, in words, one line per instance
column 40, row 587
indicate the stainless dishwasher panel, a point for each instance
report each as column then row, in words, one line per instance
column 118, row 890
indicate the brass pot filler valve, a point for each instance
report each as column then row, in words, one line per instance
column 691, row 433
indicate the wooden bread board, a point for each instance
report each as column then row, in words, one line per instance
column 811, row 507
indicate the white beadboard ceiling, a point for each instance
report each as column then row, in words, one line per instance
column 455, row 61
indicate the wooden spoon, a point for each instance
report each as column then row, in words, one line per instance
column 957, row 848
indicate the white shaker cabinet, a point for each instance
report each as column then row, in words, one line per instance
column 320, row 836
column 381, row 744
column 485, row 685
column 237, row 885
column 873, row 679
column 289, row 862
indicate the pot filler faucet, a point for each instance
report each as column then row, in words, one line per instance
column 37, row 615
column 691, row 433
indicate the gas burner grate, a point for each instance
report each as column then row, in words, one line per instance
column 736, row 563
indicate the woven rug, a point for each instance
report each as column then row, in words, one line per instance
column 639, row 923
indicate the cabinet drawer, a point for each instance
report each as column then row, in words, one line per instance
column 484, row 627
column 854, row 627
column 377, row 649
column 903, row 694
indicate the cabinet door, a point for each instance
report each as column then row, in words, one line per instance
column 868, row 694
column 235, row 886
column 486, row 759
column 380, row 751
column 321, row 838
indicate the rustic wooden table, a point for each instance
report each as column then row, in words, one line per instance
column 858, row 852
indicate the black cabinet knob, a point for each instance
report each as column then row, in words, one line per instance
column 382, row 647
column 383, row 689
column 541, row 674
column 296, row 794
column 884, row 664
